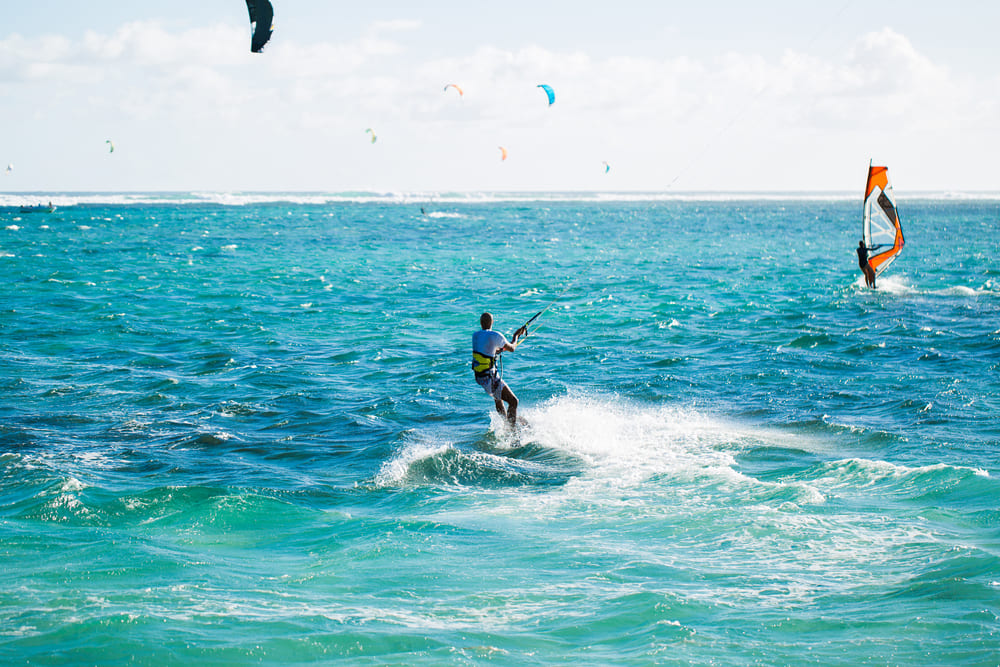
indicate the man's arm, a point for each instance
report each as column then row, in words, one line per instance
column 520, row 333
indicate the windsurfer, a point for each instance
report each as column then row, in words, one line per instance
column 866, row 268
column 487, row 346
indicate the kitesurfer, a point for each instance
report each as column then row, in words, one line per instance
column 487, row 346
column 866, row 268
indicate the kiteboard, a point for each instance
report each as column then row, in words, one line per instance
column 507, row 428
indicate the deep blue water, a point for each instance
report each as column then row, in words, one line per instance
column 244, row 429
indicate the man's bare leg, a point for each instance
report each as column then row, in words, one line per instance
column 511, row 399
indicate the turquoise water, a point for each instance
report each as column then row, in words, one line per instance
column 243, row 429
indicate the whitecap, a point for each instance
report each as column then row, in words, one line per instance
column 393, row 471
column 71, row 485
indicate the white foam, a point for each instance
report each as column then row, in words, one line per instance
column 72, row 485
column 894, row 284
column 394, row 471
column 445, row 214
column 966, row 291
column 897, row 285
column 625, row 444
column 859, row 473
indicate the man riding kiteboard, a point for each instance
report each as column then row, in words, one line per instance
column 487, row 346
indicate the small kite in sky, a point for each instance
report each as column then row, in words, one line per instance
column 607, row 167
column 503, row 153
column 261, row 20
column 111, row 146
column 456, row 87
column 551, row 94
column 10, row 167
column 372, row 132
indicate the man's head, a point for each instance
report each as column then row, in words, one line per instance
column 486, row 321
column 861, row 243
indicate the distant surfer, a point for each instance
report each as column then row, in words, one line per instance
column 866, row 268
column 487, row 346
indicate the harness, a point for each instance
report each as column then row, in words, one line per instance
column 482, row 365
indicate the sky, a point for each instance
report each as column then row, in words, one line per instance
column 674, row 96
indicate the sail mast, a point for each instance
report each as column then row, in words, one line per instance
column 866, row 208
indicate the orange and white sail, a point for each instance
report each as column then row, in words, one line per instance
column 882, row 232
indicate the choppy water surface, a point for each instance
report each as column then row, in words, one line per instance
column 245, row 430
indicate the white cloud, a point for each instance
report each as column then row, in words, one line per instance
column 882, row 69
column 660, row 112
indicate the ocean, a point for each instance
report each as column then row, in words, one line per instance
column 242, row 428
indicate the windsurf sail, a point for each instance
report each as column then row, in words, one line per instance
column 881, row 232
